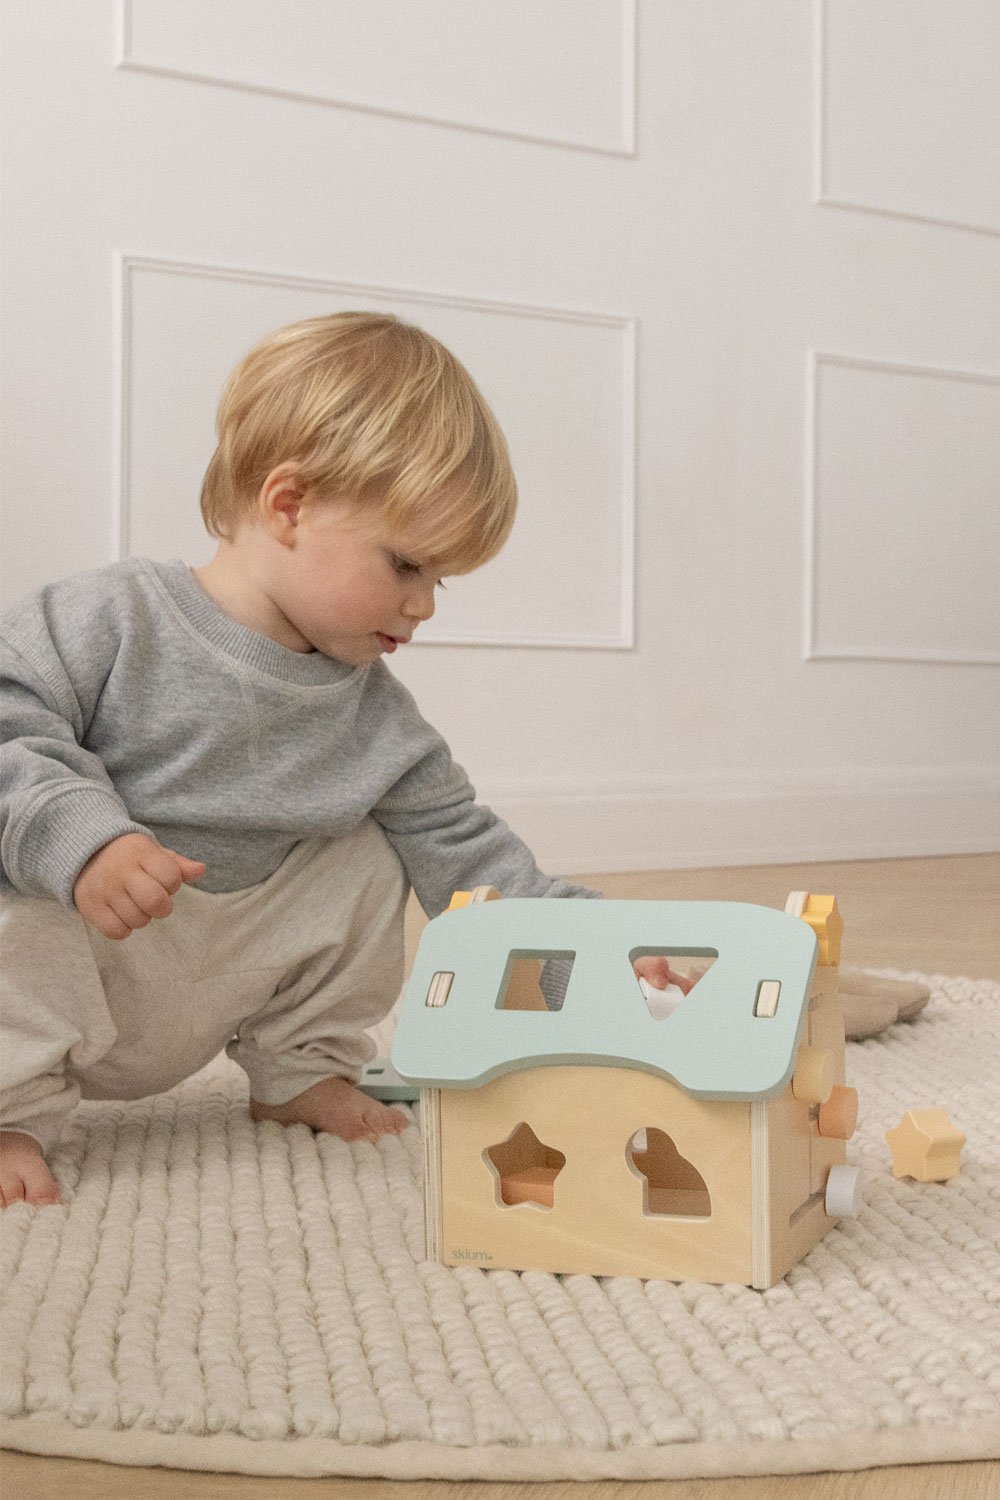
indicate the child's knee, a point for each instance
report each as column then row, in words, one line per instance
column 53, row 1008
column 39, row 1107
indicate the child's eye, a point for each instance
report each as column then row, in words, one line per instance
column 406, row 569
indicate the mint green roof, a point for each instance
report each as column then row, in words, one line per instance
column 712, row 1045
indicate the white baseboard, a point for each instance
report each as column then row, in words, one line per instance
column 697, row 822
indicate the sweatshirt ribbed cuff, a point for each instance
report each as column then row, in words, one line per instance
column 69, row 827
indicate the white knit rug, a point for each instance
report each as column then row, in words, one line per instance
column 213, row 1294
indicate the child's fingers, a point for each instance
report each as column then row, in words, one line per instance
column 148, row 894
column 163, row 865
column 109, row 924
column 190, row 869
column 127, row 911
column 655, row 970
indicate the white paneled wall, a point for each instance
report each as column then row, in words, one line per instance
column 560, row 383
column 729, row 274
column 559, row 71
column 909, row 109
column 904, row 520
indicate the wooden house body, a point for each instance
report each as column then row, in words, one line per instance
column 598, row 1139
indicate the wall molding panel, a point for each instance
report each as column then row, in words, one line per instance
column 694, row 822
column 884, row 578
column 900, row 129
column 586, row 102
column 181, row 325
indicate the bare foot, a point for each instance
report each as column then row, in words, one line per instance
column 337, row 1106
column 24, row 1177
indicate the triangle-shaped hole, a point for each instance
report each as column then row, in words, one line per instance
column 690, row 966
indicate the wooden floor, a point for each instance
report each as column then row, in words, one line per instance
column 935, row 915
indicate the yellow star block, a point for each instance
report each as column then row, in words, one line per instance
column 925, row 1145
column 473, row 898
column 823, row 915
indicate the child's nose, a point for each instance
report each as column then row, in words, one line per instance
column 420, row 603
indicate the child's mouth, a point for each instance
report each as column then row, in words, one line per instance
column 390, row 642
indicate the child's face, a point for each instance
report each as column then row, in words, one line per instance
column 349, row 586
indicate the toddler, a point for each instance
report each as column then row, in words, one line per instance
column 216, row 796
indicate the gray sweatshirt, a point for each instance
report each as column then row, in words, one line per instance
column 130, row 702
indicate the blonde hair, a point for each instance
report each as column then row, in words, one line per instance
column 373, row 410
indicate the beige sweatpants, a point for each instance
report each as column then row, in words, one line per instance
column 285, row 976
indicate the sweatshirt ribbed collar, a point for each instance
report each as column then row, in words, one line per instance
column 209, row 621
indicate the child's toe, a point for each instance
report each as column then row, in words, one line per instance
column 11, row 1190
column 40, row 1187
column 380, row 1120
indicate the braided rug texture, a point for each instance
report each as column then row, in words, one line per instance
column 217, row 1294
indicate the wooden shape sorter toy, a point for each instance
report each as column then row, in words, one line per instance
column 570, row 1127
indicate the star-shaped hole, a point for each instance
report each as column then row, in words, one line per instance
column 525, row 1168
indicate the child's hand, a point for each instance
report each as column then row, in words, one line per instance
column 658, row 973
column 129, row 882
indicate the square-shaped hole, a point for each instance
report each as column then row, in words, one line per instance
column 535, row 979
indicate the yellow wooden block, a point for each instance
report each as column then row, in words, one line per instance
column 925, row 1145
column 823, row 916
column 472, row 898
column 815, row 1070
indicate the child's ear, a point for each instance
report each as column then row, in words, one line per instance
column 280, row 501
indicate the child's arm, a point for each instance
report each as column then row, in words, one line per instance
column 459, row 844
column 449, row 842
column 57, row 803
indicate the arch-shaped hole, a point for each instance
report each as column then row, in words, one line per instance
column 524, row 1168
column 671, row 1184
